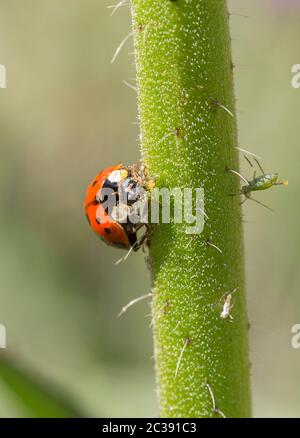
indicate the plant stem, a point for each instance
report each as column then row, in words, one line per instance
column 188, row 139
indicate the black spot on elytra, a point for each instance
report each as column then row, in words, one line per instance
column 94, row 183
column 110, row 185
column 107, row 230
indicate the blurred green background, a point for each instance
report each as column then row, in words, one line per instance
column 65, row 114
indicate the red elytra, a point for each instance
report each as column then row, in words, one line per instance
column 108, row 229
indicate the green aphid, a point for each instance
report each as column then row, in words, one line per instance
column 262, row 182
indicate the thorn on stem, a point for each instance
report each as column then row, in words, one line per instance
column 135, row 301
column 186, row 343
column 216, row 102
column 215, row 410
column 119, row 48
column 209, row 243
column 129, row 85
column 117, row 6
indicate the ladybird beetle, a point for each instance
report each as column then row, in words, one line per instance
column 100, row 206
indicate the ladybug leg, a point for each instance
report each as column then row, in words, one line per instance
column 142, row 242
column 144, row 239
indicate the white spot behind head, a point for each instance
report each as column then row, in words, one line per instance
column 115, row 176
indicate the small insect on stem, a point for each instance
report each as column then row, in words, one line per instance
column 227, row 304
column 133, row 302
column 215, row 410
column 262, row 182
column 186, row 343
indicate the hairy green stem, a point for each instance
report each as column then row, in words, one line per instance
column 188, row 139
